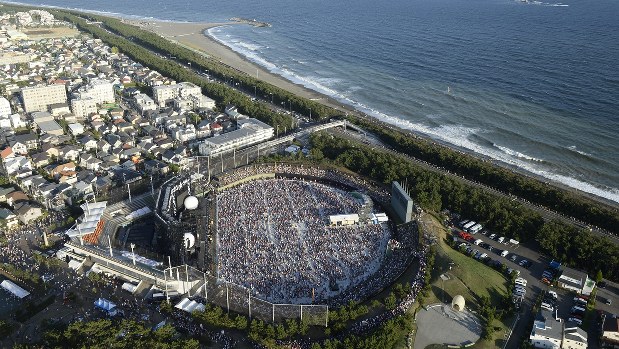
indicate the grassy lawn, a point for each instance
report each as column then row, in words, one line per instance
column 467, row 277
column 466, row 272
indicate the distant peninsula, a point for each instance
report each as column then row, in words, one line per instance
column 253, row 22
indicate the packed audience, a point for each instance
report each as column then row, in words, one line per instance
column 274, row 238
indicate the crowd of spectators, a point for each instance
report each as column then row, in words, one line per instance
column 274, row 238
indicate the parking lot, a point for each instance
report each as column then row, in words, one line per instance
column 532, row 271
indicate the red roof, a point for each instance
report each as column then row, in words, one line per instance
column 216, row 125
column 6, row 152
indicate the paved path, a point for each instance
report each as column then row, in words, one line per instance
column 439, row 324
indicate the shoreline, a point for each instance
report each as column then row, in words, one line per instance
column 194, row 36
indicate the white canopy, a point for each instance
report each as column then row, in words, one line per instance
column 92, row 215
column 189, row 305
column 127, row 286
column 14, row 289
column 73, row 264
column 106, row 305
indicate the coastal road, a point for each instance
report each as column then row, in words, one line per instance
column 548, row 215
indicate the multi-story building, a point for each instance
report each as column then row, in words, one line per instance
column 83, row 107
column 165, row 93
column 100, row 91
column 38, row 98
column 574, row 338
column 547, row 331
column 5, row 107
column 249, row 132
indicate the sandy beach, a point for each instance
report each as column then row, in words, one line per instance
column 194, row 36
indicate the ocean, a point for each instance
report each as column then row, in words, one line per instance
column 531, row 84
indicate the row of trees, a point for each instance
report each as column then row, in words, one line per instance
column 114, row 334
column 435, row 191
column 504, row 179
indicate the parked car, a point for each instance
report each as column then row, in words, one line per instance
column 602, row 284
column 504, row 253
column 492, row 236
column 576, row 320
column 513, row 258
column 609, row 301
column 521, row 281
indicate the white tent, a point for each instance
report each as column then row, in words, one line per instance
column 189, row 305
column 106, row 305
column 14, row 289
column 127, row 286
column 73, row 264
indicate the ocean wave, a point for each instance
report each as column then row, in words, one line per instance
column 251, row 47
column 573, row 148
column 515, row 153
column 456, row 135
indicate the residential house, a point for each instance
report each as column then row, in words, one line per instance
column 67, row 169
column 7, row 153
column 40, row 159
column 156, row 167
column 88, row 143
column 8, row 218
column 90, row 162
column 18, row 147
column 4, row 192
column 51, row 150
column 574, row 338
column 28, row 212
column 69, row 153
column 30, row 140
column 17, row 164
column 16, row 197
column 103, row 146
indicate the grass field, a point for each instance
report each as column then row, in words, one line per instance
column 467, row 275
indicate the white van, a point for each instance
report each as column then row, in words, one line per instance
column 504, row 253
column 521, row 282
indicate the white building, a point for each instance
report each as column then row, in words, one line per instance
column 100, row 90
column 38, row 98
column 83, row 107
column 574, row 338
column 184, row 90
column 17, row 121
column 143, row 102
column 250, row 131
column 5, row 107
column 184, row 134
column 547, row 331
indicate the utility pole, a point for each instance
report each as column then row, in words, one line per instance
column 132, row 252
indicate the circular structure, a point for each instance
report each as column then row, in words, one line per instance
column 458, row 303
column 191, row 202
column 292, row 241
column 190, row 240
column 464, row 326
